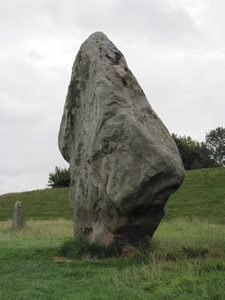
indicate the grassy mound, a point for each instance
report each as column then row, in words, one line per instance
column 201, row 196
column 38, row 205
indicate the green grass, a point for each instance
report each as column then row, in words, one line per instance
column 186, row 261
column 38, row 205
column 201, row 196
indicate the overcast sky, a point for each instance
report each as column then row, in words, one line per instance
column 175, row 49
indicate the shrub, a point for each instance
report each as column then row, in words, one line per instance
column 61, row 178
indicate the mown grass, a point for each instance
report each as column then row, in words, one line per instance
column 201, row 196
column 185, row 261
column 38, row 205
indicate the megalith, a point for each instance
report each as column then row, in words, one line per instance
column 123, row 162
column 18, row 221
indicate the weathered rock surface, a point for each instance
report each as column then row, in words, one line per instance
column 123, row 162
column 18, row 221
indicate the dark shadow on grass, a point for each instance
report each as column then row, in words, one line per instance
column 81, row 249
column 78, row 249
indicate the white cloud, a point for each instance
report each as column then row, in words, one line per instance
column 22, row 182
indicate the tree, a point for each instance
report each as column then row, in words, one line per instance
column 194, row 155
column 188, row 150
column 61, row 178
column 215, row 143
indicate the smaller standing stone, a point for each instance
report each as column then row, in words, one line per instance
column 18, row 222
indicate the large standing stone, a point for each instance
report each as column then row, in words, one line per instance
column 18, row 222
column 123, row 162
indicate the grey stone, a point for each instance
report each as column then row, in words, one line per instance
column 18, row 221
column 123, row 162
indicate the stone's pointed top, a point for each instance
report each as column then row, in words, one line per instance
column 98, row 35
column 98, row 45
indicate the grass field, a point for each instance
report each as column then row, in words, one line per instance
column 201, row 196
column 38, row 205
column 186, row 258
column 186, row 261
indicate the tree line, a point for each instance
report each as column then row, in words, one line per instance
column 207, row 154
column 194, row 154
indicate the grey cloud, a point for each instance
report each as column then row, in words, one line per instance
column 147, row 18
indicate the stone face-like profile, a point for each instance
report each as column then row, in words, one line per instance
column 123, row 162
column 18, row 222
